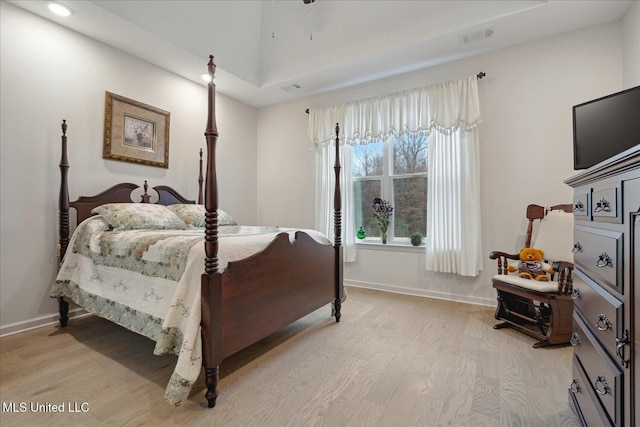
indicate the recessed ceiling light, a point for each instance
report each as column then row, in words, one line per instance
column 60, row 9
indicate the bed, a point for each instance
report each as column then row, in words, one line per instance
column 201, row 287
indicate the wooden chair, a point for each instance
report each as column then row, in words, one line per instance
column 541, row 309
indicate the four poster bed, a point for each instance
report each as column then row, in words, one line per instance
column 137, row 265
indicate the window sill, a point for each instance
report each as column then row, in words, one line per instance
column 395, row 247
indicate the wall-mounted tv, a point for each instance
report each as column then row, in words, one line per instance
column 605, row 127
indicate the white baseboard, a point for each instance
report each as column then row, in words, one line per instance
column 421, row 293
column 39, row 322
column 50, row 319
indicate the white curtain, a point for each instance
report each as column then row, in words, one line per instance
column 453, row 243
column 450, row 112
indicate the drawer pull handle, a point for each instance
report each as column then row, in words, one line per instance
column 577, row 247
column 602, row 206
column 575, row 341
column 575, row 386
column 603, row 260
column 605, row 387
column 579, row 206
column 575, row 294
column 603, row 320
column 620, row 344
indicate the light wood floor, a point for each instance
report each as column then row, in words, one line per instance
column 393, row 360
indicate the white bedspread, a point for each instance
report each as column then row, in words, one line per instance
column 149, row 282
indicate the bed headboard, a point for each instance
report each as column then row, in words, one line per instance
column 123, row 193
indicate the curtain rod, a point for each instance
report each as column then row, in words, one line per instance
column 480, row 75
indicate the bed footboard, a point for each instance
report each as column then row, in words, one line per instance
column 281, row 284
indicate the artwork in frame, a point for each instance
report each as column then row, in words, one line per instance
column 135, row 132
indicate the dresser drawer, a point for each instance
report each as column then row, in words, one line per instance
column 604, row 204
column 604, row 377
column 581, row 206
column 599, row 309
column 586, row 404
column 599, row 254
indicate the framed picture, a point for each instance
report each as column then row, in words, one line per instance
column 135, row 132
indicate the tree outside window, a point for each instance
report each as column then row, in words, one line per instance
column 394, row 170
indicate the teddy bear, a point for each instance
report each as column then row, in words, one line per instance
column 531, row 265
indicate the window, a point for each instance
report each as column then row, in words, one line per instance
column 395, row 170
column 450, row 111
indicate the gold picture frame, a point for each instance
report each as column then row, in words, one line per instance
column 135, row 132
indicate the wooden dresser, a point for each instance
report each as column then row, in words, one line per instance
column 606, row 333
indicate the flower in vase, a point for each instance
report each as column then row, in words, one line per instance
column 382, row 211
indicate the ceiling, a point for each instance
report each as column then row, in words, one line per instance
column 270, row 51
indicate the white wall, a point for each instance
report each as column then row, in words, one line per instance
column 286, row 182
column 526, row 149
column 631, row 60
column 49, row 73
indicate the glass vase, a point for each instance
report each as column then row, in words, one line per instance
column 383, row 236
column 361, row 234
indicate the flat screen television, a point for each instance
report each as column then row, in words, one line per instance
column 605, row 127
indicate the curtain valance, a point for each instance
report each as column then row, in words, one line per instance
column 445, row 107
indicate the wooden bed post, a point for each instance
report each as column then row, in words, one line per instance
column 63, row 219
column 63, row 203
column 146, row 197
column 211, row 283
column 337, row 224
column 200, row 180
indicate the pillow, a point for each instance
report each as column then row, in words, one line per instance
column 96, row 224
column 193, row 215
column 139, row 216
column 225, row 219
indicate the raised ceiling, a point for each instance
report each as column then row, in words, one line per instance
column 264, row 49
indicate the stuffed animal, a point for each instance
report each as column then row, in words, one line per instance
column 531, row 265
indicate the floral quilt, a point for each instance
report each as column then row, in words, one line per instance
column 148, row 281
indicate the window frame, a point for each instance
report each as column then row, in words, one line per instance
column 387, row 190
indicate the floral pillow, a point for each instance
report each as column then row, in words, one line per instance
column 139, row 216
column 193, row 215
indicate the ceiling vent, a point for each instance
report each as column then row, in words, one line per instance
column 478, row 35
column 291, row 87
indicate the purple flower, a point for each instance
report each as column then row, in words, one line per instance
column 377, row 203
column 382, row 211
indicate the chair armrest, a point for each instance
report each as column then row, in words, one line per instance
column 502, row 258
column 497, row 254
column 564, row 272
column 562, row 265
